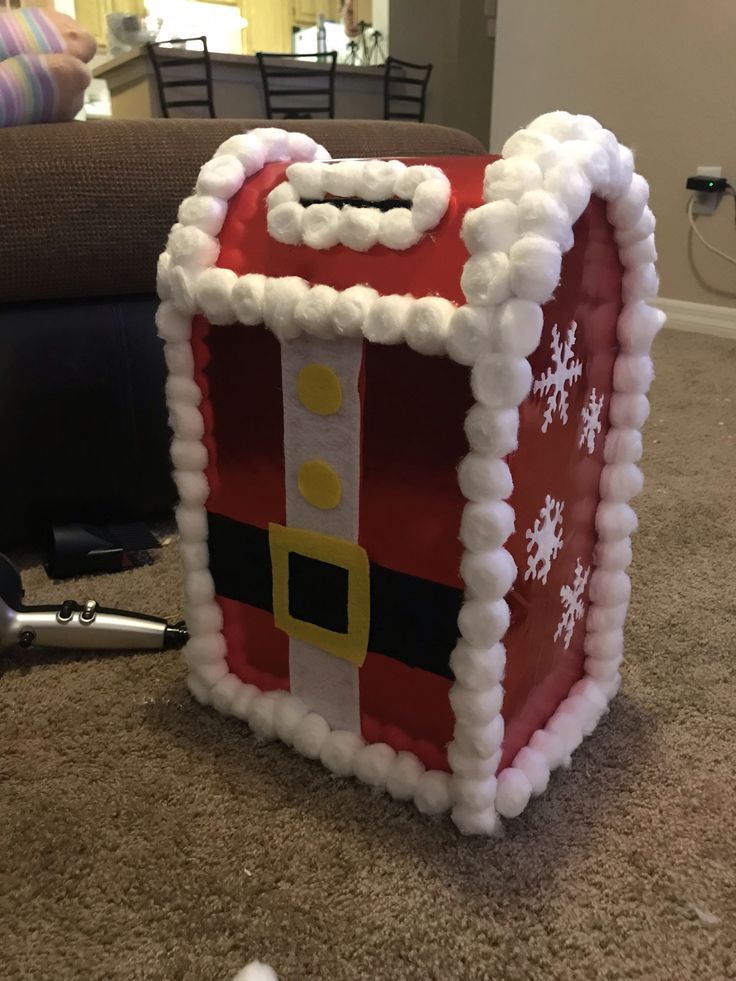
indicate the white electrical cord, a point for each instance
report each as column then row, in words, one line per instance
column 711, row 248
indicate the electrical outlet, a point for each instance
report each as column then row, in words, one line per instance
column 705, row 203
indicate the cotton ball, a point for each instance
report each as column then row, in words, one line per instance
column 476, row 749
column 210, row 674
column 621, row 481
column 633, row 375
column 609, row 588
column 396, row 229
column 492, row 227
column 199, row 587
column 535, row 768
column 179, row 358
column 373, row 764
column 182, row 283
column 433, row 794
column 188, row 454
column 626, row 161
column 566, row 182
column 613, row 555
column 288, row 713
column 190, row 246
column 603, row 671
column 403, row 776
column 308, row 180
column 248, row 149
column 222, row 693
column 283, row 193
column 221, row 177
column 500, row 381
column 280, row 299
column 488, row 573
column 492, row 432
column 485, row 278
column 430, row 203
column 569, row 730
column 302, row 147
column 478, row 668
column 639, row 253
column 541, row 147
column 638, row 325
column 172, row 324
column 203, row 620
column 518, row 327
column 214, row 295
column 351, row 309
column 589, row 689
column 428, row 324
column 313, row 312
column 321, row 226
column 476, row 795
column 560, row 124
column 275, row 142
column 605, row 645
column 242, row 702
column 534, row 268
column 601, row 619
column 483, row 623
column 486, row 525
column 628, row 411
column 591, row 159
column 379, row 179
column 184, row 390
column 509, row 179
column 192, row 523
column 191, row 485
column 640, row 283
column 623, row 446
column 339, row 750
column 409, row 179
column 163, row 276
column 247, row 299
column 257, row 970
column 342, row 179
column 310, row 734
column 625, row 212
column 359, row 228
column 540, row 213
column 469, row 328
column 638, row 232
column 204, row 211
column 476, row 706
column 514, row 791
column 617, row 181
column 483, row 477
column 261, row 715
column 205, row 650
column 472, row 822
column 285, row 223
column 194, row 555
column 387, row 319
column 198, row 689
column 614, row 520
column 549, row 745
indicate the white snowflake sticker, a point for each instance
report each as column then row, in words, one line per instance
column 591, row 417
column 572, row 604
column 544, row 540
column 555, row 380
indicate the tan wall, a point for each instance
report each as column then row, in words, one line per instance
column 452, row 35
column 660, row 74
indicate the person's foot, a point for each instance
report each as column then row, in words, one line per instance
column 79, row 42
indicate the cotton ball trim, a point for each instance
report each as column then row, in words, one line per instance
column 491, row 227
column 428, row 324
column 476, row 795
column 570, row 186
column 483, row 623
column 321, row 226
column 614, row 520
column 204, row 211
column 179, row 358
column 604, row 644
column 261, row 715
column 613, row 554
column 602, row 619
column 199, row 587
column 204, row 619
column 338, row 752
column 198, row 689
column 513, row 792
column 182, row 285
column 342, row 179
column 430, row 203
column 379, row 179
column 486, row 525
column 190, row 246
column 247, row 299
column 500, row 381
column 214, row 295
column 191, row 485
column 641, row 230
column 280, row 299
column 639, row 253
column 223, row 692
column 243, row 700
column 628, row 411
column 509, row 179
column 633, row 375
column 184, row 390
column 433, row 792
column 640, row 283
column 396, row 229
column 307, row 179
column 283, row 193
column 621, row 481
column 549, row 745
column 518, row 327
column 638, row 325
column 476, row 668
column 535, row 768
column 485, row 278
column 403, row 776
column 221, row 177
column 373, row 764
column 256, row 971
column 313, row 312
column 541, row 147
column 469, row 328
column 248, row 149
column 590, row 159
column 275, row 142
column 172, row 324
column 471, row 822
column 163, row 276
column 408, row 180
column 476, row 706
column 488, row 573
column 187, row 454
column 210, row 675
column 359, row 228
column 351, row 310
column 540, row 213
column 302, row 147
column 491, row 431
column 609, row 588
column 387, row 318
column 476, row 748
column 626, row 211
column 534, row 269
column 194, row 555
column 622, row 446
column 310, row 735
column 285, row 221
column 483, row 477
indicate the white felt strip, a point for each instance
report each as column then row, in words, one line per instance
column 327, row 684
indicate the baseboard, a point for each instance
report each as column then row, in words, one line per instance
column 699, row 318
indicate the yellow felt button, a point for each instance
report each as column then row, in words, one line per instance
column 319, row 389
column 319, row 484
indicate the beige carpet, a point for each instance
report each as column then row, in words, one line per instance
column 142, row 837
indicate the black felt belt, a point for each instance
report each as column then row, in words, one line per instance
column 412, row 620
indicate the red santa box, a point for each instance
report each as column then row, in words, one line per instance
column 406, row 398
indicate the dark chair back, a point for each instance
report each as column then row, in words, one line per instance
column 405, row 89
column 199, row 77
column 294, row 92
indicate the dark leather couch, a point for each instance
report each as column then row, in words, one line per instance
column 86, row 209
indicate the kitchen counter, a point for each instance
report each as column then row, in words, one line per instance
column 237, row 87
